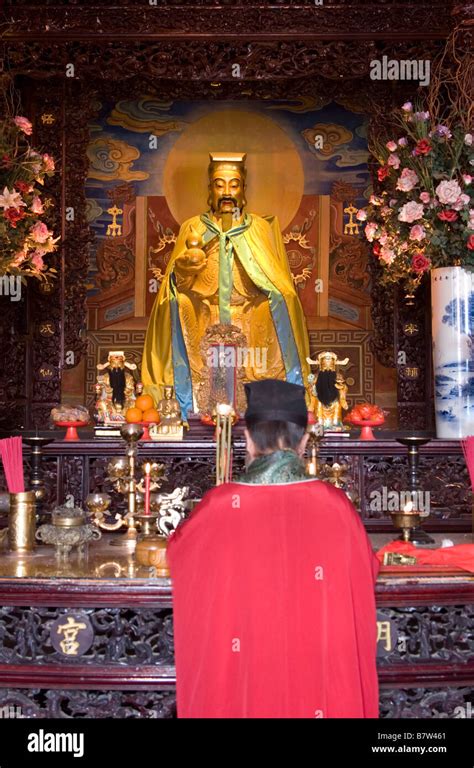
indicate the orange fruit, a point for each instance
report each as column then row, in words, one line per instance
column 134, row 415
column 151, row 415
column 144, row 402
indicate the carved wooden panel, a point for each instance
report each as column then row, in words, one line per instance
column 296, row 50
column 65, row 704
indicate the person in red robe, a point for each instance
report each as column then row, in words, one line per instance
column 273, row 584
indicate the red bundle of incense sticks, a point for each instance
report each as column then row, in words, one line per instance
column 468, row 450
column 11, row 451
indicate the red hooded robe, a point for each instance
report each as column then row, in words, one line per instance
column 274, row 605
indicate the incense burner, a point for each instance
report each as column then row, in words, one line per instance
column 68, row 529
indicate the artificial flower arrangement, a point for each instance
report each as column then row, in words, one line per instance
column 423, row 213
column 24, row 238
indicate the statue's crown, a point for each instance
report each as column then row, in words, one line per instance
column 234, row 160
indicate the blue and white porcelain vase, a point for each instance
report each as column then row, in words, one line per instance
column 452, row 317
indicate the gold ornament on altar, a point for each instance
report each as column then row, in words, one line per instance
column 328, row 391
column 171, row 424
column 224, row 418
column 115, row 389
column 224, row 351
column 228, row 268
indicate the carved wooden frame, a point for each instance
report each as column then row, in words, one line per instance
column 319, row 53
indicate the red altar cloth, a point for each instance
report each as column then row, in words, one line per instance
column 460, row 556
column 274, row 605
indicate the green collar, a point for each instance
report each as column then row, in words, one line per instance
column 282, row 466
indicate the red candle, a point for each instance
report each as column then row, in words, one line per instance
column 147, row 488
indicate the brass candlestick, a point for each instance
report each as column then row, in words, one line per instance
column 225, row 415
column 416, row 533
column 123, row 474
column 37, row 444
column 407, row 519
column 316, row 434
column 121, row 471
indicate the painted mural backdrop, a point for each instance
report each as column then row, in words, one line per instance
column 306, row 164
column 148, row 163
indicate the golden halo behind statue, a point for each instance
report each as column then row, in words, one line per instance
column 275, row 177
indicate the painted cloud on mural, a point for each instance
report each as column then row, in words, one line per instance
column 111, row 159
column 145, row 116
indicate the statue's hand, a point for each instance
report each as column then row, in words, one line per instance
column 191, row 261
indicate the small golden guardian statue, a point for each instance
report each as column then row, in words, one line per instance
column 171, row 424
column 328, row 391
column 115, row 389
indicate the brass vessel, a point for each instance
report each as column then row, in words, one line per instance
column 407, row 520
column 151, row 551
column 22, row 520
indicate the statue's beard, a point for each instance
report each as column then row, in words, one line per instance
column 226, row 199
column 326, row 387
column 117, row 382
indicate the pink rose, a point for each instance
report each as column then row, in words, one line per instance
column 425, row 197
column 387, row 255
column 402, row 142
column 448, row 192
column 370, row 230
column 394, row 161
column 461, row 202
column 40, row 232
column 48, row 163
column 24, row 125
column 407, row 180
column 38, row 262
column 37, row 206
column 407, row 107
column 410, row 212
column 417, row 232
column 391, row 145
column 466, row 179
column 20, row 256
column 383, row 238
column 361, row 214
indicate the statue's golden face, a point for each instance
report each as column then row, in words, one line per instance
column 328, row 363
column 168, row 392
column 226, row 191
column 116, row 361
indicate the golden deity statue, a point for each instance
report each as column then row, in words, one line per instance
column 328, row 391
column 228, row 267
column 170, row 414
column 115, row 388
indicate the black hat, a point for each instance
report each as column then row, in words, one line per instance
column 276, row 400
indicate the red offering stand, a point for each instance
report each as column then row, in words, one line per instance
column 367, row 424
column 71, row 428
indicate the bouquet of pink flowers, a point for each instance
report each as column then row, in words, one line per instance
column 422, row 215
column 24, row 238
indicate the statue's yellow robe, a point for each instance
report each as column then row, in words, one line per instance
column 257, row 246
